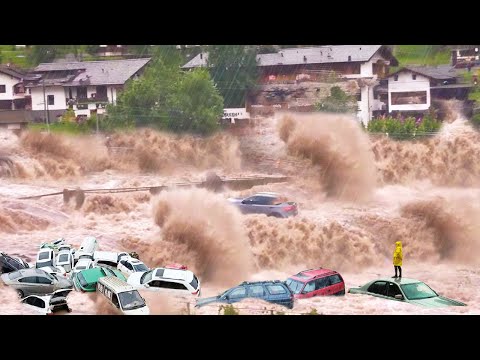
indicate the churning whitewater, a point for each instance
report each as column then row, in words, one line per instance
column 357, row 195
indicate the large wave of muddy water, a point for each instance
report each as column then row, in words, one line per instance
column 357, row 196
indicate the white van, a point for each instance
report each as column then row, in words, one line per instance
column 65, row 260
column 123, row 296
column 88, row 247
column 45, row 257
column 105, row 258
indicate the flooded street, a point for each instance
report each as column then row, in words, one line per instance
column 357, row 195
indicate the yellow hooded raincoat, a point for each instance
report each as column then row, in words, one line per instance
column 398, row 254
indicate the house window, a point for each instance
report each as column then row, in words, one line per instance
column 409, row 98
column 359, row 96
column 395, row 78
column 51, row 99
column 3, row 89
column 414, row 76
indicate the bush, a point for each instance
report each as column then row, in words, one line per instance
column 229, row 310
column 476, row 119
column 337, row 102
column 313, row 311
column 407, row 128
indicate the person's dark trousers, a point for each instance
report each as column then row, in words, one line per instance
column 399, row 271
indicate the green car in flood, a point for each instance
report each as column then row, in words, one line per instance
column 405, row 290
column 86, row 280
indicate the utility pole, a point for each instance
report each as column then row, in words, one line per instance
column 45, row 106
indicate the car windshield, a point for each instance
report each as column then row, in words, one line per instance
column 295, row 286
column 82, row 280
column 194, row 282
column 63, row 258
column 146, row 277
column 44, row 256
column 140, row 267
column 81, row 267
column 131, row 300
column 418, row 291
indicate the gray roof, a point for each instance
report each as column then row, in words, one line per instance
column 109, row 72
column 440, row 72
column 307, row 55
column 16, row 73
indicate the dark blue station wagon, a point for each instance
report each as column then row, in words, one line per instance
column 276, row 292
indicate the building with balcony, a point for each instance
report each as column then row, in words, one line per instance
column 12, row 91
column 305, row 70
column 85, row 87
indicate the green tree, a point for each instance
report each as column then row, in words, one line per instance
column 194, row 104
column 233, row 69
column 42, row 53
column 338, row 102
column 168, row 98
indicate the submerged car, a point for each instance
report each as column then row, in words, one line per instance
column 163, row 279
column 276, row 292
column 48, row 304
column 45, row 257
column 316, row 282
column 84, row 263
column 86, row 280
column 35, row 281
column 65, row 260
column 268, row 203
column 405, row 290
column 130, row 265
column 54, row 245
column 9, row 263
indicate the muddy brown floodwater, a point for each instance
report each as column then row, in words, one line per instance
column 357, row 195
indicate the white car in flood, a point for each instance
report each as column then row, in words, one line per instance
column 84, row 263
column 166, row 280
column 130, row 265
column 48, row 304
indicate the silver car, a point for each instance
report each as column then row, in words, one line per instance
column 268, row 203
column 35, row 281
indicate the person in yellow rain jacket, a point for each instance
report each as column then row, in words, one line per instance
column 397, row 259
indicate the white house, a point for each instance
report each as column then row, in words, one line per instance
column 86, row 87
column 12, row 92
column 364, row 63
column 410, row 88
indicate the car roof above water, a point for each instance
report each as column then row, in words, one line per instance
column 307, row 275
column 116, row 284
column 400, row 281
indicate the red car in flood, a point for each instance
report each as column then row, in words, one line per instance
column 316, row 282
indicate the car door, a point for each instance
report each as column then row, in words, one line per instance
column 322, row 286
column 237, row 294
column 256, row 291
column 335, row 285
column 378, row 288
column 394, row 290
column 45, row 285
column 247, row 206
column 28, row 285
column 121, row 266
column 261, row 205
column 128, row 268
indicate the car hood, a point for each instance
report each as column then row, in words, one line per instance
column 64, row 283
column 140, row 311
column 5, row 279
column 205, row 301
column 134, row 278
column 438, row 301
